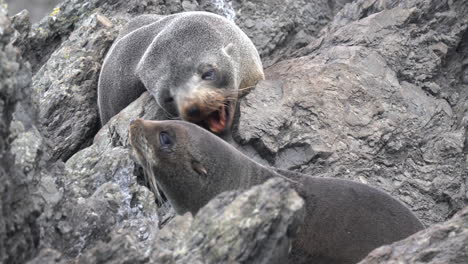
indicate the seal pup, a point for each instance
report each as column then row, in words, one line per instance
column 344, row 220
column 194, row 64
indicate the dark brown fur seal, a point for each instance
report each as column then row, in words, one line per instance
column 344, row 220
column 194, row 64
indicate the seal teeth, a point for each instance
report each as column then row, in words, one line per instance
column 217, row 120
column 222, row 115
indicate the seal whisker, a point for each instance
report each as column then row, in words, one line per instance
column 150, row 180
column 168, row 114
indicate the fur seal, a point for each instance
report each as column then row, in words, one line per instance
column 344, row 220
column 194, row 64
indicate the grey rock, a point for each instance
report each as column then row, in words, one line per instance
column 260, row 225
column 21, row 153
column 252, row 227
column 37, row 8
column 55, row 28
column 121, row 249
column 356, row 106
column 276, row 27
column 101, row 193
column 48, row 256
column 441, row 243
column 67, row 98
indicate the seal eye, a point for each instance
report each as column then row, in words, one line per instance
column 169, row 99
column 165, row 140
column 209, row 75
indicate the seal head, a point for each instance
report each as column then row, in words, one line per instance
column 195, row 64
column 164, row 148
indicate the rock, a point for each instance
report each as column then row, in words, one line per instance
column 37, row 8
column 260, row 224
column 48, row 256
column 356, row 106
column 441, row 243
column 120, row 249
column 20, row 153
column 252, row 227
column 74, row 86
column 101, row 192
column 54, row 29
column 277, row 28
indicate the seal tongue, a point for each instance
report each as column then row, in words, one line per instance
column 217, row 120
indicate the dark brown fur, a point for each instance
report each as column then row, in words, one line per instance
column 344, row 220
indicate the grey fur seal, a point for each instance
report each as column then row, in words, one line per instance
column 344, row 220
column 194, row 64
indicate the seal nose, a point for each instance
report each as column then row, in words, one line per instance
column 193, row 111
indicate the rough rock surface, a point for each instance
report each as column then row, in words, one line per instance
column 260, row 225
column 279, row 27
column 37, row 8
column 380, row 100
column 374, row 91
column 441, row 243
column 21, row 149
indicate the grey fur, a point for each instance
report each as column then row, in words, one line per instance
column 163, row 54
column 345, row 220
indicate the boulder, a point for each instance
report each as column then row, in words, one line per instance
column 360, row 104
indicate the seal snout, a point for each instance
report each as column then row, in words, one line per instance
column 135, row 131
column 139, row 128
column 211, row 109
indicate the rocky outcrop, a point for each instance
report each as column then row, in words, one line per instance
column 101, row 192
column 277, row 29
column 260, row 224
column 20, row 153
column 38, row 8
column 373, row 91
column 381, row 100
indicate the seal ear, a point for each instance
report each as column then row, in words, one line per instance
column 196, row 166
column 229, row 50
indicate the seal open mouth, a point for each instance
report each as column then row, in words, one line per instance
column 211, row 110
column 218, row 120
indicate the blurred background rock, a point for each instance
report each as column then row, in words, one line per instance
column 36, row 8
